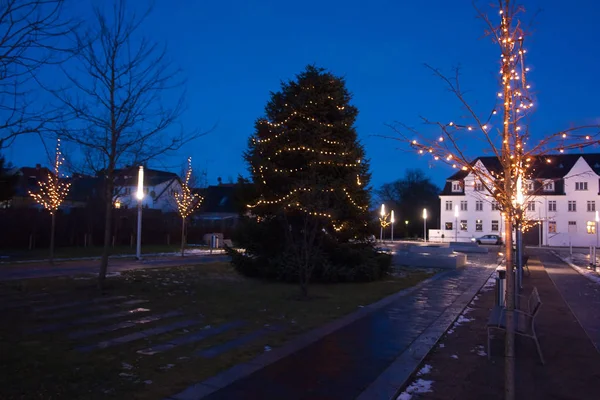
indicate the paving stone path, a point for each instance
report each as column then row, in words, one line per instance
column 348, row 361
column 581, row 294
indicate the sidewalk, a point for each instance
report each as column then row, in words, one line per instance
column 78, row 267
column 458, row 368
column 347, row 362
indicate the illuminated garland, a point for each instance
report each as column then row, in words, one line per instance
column 187, row 202
column 52, row 191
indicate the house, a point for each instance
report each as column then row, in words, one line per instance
column 26, row 180
column 560, row 197
column 159, row 189
column 218, row 206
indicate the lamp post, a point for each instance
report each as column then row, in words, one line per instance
column 456, row 223
column 140, row 196
column 425, row 224
column 596, row 248
column 392, row 223
column 381, row 229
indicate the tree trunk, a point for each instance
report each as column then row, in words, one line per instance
column 107, row 232
column 182, row 236
column 52, row 229
column 509, row 346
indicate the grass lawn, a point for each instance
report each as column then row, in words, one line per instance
column 7, row 255
column 46, row 366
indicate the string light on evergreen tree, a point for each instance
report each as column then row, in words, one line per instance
column 187, row 202
column 52, row 193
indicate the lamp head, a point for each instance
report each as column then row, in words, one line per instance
column 392, row 220
column 424, row 213
column 140, row 189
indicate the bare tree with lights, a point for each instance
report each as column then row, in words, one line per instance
column 30, row 32
column 114, row 106
column 52, row 193
column 510, row 144
column 187, row 202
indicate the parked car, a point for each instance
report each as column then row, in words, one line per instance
column 488, row 239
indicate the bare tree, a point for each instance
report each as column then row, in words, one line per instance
column 511, row 144
column 30, row 35
column 114, row 108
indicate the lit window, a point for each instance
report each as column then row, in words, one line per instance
column 591, row 227
column 463, row 225
column 478, row 225
column 448, row 226
column 552, row 226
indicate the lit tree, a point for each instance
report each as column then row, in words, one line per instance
column 511, row 144
column 187, row 202
column 52, row 193
column 309, row 171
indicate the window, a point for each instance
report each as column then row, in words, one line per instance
column 552, row 226
column 463, row 205
column 529, row 186
column 463, row 224
column 456, row 186
column 478, row 225
column 531, row 206
column 495, row 206
column 591, row 227
column 478, row 187
column 448, row 226
column 494, row 225
column 572, row 206
column 552, row 205
column 479, row 205
column 591, row 206
column 572, row 226
column 581, row 186
column 448, row 205
column 548, row 186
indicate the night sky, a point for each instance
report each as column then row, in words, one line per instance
column 235, row 52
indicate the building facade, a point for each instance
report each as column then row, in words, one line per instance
column 561, row 199
column 159, row 189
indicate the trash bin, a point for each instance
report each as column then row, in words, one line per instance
column 500, row 286
column 214, row 242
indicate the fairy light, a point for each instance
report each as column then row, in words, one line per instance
column 52, row 191
column 187, row 202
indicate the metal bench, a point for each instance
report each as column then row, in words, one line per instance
column 524, row 321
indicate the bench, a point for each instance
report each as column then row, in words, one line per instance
column 524, row 321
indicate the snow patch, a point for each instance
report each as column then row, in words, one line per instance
column 442, row 345
column 489, row 284
column 425, row 370
column 419, row 386
column 588, row 273
column 454, row 356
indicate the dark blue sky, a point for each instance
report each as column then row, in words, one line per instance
column 235, row 52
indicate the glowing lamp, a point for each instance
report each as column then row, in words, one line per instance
column 382, row 210
column 424, row 213
column 455, row 211
column 392, row 220
column 140, row 189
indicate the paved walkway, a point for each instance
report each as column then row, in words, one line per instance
column 40, row 270
column 581, row 294
column 372, row 356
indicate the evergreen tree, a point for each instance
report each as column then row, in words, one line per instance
column 305, row 157
column 310, row 188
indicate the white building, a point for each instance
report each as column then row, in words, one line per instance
column 159, row 189
column 560, row 198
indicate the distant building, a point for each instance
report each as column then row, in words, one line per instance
column 218, row 208
column 27, row 179
column 159, row 189
column 562, row 197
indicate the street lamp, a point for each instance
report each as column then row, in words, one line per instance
column 425, row 224
column 392, row 222
column 456, row 223
column 519, row 245
column 140, row 196
column 382, row 217
column 596, row 229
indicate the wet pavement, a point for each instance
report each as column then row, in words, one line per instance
column 581, row 294
column 344, row 363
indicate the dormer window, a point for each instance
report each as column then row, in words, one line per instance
column 548, row 186
column 456, row 186
column 529, row 186
column 478, row 187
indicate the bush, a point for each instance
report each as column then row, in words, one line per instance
column 268, row 256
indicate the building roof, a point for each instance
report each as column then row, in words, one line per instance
column 29, row 178
column 152, row 177
column 218, row 199
column 84, row 187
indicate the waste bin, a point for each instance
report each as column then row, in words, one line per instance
column 500, row 286
column 214, row 242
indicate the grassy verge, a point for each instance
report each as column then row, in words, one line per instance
column 80, row 252
column 45, row 365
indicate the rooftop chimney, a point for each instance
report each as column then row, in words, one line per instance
column 38, row 166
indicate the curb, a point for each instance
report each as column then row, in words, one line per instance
column 237, row 372
column 577, row 268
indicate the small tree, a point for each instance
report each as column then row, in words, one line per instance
column 52, row 193
column 187, row 202
column 510, row 145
